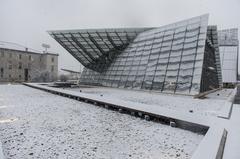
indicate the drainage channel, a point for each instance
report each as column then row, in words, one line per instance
column 196, row 128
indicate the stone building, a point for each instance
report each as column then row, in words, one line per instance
column 26, row 66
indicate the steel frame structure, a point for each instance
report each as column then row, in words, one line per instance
column 96, row 48
column 175, row 58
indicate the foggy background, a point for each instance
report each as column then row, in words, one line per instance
column 25, row 22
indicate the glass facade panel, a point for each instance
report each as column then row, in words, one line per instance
column 168, row 58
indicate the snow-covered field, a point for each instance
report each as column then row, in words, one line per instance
column 205, row 107
column 36, row 124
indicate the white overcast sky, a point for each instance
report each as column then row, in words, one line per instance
column 26, row 21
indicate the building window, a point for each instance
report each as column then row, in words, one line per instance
column 20, row 65
column 10, row 76
column 52, row 68
column 52, row 59
column 20, row 56
column 10, row 55
column 1, row 73
column 10, row 65
column 20, row 77
column 30, row 57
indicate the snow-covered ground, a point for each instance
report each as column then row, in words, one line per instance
column 36, row 124
column 206, row 107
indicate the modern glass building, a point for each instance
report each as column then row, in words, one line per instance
column 182, row 57
column 229, row 47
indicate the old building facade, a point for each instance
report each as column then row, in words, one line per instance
column 26, row 66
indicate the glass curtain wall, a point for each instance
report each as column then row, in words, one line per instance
column 167, row 59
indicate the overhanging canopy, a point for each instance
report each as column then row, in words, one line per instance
column 96, row 48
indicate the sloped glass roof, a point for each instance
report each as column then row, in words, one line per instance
column 96, row 48
column 167, row 59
